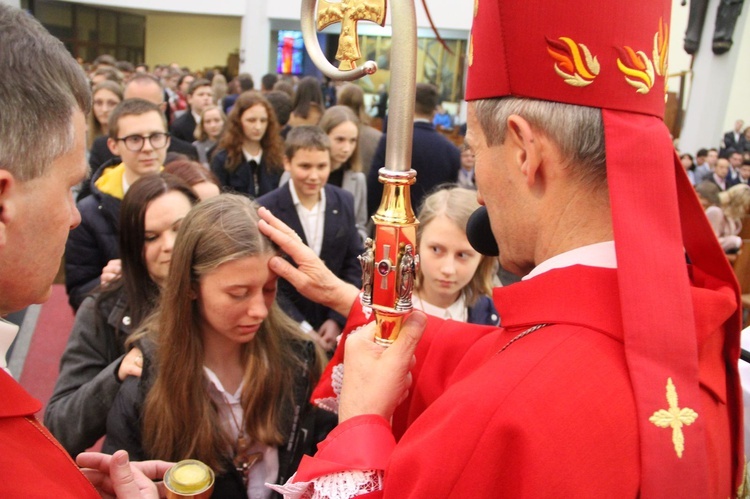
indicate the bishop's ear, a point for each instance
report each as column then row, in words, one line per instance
column 524, row 144
column 8, row 188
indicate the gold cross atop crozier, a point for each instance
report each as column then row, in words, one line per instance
column 675, row 418
column 348, row 13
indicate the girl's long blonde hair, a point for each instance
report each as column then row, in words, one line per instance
column 735, row 201
column 457, row 204
column 179, row 419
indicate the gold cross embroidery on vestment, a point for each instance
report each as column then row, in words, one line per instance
column 674, row 418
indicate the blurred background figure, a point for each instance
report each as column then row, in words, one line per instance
column 208, row 132
column 352, row 96
column 308, row 104
column 466, row 173
column 107, row 95
column 201, row 180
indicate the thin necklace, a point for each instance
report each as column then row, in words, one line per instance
column 243, row 459
column 525, row 333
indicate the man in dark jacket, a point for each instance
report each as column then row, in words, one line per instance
column 200, row 95
column 138, row 135
column 142, row 86
column 435, row 159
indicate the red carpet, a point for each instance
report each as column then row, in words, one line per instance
column 47, row 345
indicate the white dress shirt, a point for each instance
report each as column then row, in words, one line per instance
column 267, row 469
column 8, row 332
column 312, row 220
column 592, row 255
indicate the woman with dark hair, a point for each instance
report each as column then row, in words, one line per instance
column 96, row 360
column 250, row 158
column 227, row 375
column 202, row 181
column 307, row 105
column 687, row 162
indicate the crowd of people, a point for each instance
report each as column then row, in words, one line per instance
column 139, row 364
column 212, row 261
column 721, row 177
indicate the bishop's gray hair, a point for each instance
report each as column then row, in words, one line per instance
column 578, row 131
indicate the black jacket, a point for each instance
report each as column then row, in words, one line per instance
column 483, row 312
column 87, row 384
column 341, row 246
column 93, row 243
column 435, row 159
column 307, row 425
column 242, row 180
column 183, row 127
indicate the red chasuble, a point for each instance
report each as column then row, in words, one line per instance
column 32, row 462
column 549, row 413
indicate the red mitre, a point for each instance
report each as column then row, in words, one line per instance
column 613, row 55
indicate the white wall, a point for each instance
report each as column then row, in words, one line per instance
column 444, row 12
column 213, row 7
column 194, row 41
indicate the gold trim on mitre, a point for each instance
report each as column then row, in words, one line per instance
column 471, row 50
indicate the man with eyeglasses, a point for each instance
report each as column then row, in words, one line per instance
column 141, row 86
column 138, row 136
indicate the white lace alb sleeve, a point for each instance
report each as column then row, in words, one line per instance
column 343, row 485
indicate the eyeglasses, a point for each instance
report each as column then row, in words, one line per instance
column 135, row 143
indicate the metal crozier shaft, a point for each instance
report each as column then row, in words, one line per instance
column 390, row 263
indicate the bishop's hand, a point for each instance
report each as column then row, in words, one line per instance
column 376, row 378
column 310, row 277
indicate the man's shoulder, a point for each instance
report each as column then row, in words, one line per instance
column 16, row 401
column 426, row 132
column 178, row 145
column 185, row 118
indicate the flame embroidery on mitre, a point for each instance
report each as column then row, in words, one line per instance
column 661, row 48
column 574, row 62
column 638, row 69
